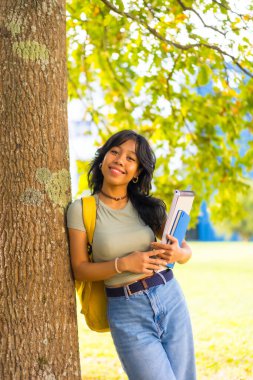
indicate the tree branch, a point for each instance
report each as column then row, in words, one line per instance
column 176, row 44
column 222, row 5
column 151, row 10
column 185, row 8
column 122, row 84
column 225, row 6
column 194, row 138
column 151, row 30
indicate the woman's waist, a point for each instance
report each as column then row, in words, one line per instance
column 127, row 278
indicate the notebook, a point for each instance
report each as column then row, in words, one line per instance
column 179, row 229
column 178, row 217
column 182, row 200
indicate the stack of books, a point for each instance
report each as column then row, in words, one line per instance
column 178, row 217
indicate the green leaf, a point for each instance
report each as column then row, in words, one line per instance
column 204, row 75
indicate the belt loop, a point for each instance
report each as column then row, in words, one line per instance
column 127, row 291
column 162, row 276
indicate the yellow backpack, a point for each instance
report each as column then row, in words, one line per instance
column 92, row 293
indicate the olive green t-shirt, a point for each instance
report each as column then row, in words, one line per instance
column 117, row 233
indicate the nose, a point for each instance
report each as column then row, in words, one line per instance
column 119, row 160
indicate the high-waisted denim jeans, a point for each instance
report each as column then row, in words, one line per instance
column 152, row 333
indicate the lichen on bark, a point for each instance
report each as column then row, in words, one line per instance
column 43, row 175
column 58, row 188
column 31, row 51
column 31, row 197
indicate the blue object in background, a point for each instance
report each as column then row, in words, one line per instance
column 205, row 230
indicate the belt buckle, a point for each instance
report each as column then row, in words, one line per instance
column 128, row 290
column 144, row 283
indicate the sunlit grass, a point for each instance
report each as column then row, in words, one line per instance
column 218, row 284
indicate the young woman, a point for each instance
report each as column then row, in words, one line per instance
column 147, row 313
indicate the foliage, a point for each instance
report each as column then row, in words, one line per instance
column 181, row 73
column 82, row 170
column 244, row 225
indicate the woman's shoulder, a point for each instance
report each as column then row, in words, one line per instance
column 75, row 206
column 74, row 215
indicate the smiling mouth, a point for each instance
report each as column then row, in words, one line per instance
column 116, row 170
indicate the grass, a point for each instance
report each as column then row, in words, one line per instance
column 217, row 283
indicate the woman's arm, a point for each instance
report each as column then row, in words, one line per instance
column 136, row 262
column 173, row 252
column 82, row 268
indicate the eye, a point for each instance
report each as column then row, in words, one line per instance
column 114, row 151
column 130, row 158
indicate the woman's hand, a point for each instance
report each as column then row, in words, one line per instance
column 172, row 251
column 142, row 262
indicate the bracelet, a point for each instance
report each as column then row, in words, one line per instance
column 116, row 265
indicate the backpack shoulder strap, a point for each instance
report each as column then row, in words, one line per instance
column 89, row 216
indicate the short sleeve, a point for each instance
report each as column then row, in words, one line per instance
column 75, row 216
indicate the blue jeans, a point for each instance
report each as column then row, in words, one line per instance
column 152, row 333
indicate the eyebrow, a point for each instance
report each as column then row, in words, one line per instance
column 129, row 151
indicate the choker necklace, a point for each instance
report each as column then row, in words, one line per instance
column 114, row 198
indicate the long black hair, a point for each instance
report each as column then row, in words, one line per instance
column 150, row 209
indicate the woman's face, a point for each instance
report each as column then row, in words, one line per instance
column 120, row 164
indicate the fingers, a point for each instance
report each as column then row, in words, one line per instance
column 155, row 263
column 157, row 251
column 147, row 271
column 145, row 262
column 159, row 245
column 173, row 239
column 153, row 268
column 166, row 256
column 158, row 262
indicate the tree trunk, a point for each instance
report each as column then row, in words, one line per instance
column 38, row 313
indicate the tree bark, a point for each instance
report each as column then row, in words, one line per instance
column 38, row 312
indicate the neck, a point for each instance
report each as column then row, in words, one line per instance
column 115, row 198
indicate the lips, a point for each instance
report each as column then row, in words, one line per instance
column 116, row 170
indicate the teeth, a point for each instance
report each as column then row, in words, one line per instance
column 119, row 171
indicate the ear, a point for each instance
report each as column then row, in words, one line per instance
column 138, row 172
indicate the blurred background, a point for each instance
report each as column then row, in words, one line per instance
column 84, row 140
column 181, row 74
